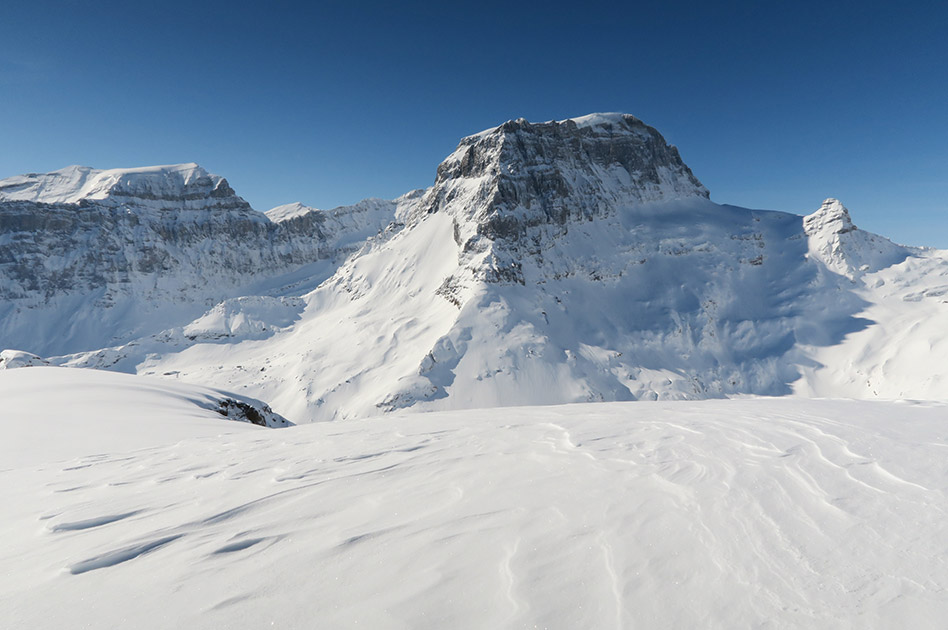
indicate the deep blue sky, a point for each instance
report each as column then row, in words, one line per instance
column 773, row 105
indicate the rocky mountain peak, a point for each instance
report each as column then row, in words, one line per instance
column 604, row 153
column 554, row 171
column 288, row 211
column 514, row 189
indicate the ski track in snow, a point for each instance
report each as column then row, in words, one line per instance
column 720, row 514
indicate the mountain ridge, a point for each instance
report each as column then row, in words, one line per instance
column 567, row 261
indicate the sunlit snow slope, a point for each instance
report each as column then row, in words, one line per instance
column 777, row 513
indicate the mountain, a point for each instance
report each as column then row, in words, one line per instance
column 566, row 261
column 90, row 258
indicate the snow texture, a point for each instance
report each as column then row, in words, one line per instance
column 774, row 513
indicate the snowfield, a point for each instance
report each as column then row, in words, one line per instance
column 756, row 513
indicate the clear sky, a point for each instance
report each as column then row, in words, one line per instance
column 773, row 105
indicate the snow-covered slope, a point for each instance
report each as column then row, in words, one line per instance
column 716, row 514
column 13, row 359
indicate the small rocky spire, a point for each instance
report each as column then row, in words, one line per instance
column 831, row 218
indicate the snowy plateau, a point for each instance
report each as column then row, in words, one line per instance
column 643, row 409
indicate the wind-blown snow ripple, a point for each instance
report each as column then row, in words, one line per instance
column 716, row 514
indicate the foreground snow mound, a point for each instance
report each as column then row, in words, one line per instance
column 52, row 413
column 718, row 514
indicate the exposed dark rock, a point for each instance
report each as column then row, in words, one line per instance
column 259, row 414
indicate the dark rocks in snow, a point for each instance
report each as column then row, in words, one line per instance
column 257, row 413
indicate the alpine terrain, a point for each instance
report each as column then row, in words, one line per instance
column 576, row 261
column 553, row 262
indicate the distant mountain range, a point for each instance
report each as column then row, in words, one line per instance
column 566, row 261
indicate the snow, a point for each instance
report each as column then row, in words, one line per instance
column 681, row 312
column 775, row 513
column 478, row 293
column 52, row 414
column 75, row 183
column 598, row 119
column 288, row 211
column 12, row 359
column 589, row 120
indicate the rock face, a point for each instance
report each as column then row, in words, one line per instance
column 343, row 230
column 831, row 219
column 513, row 189
column 164, row 242
column 575, row 169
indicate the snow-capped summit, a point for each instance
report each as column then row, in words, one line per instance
column 176, row 186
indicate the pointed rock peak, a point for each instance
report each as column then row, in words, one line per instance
column 831, row 218
column 843, row 248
